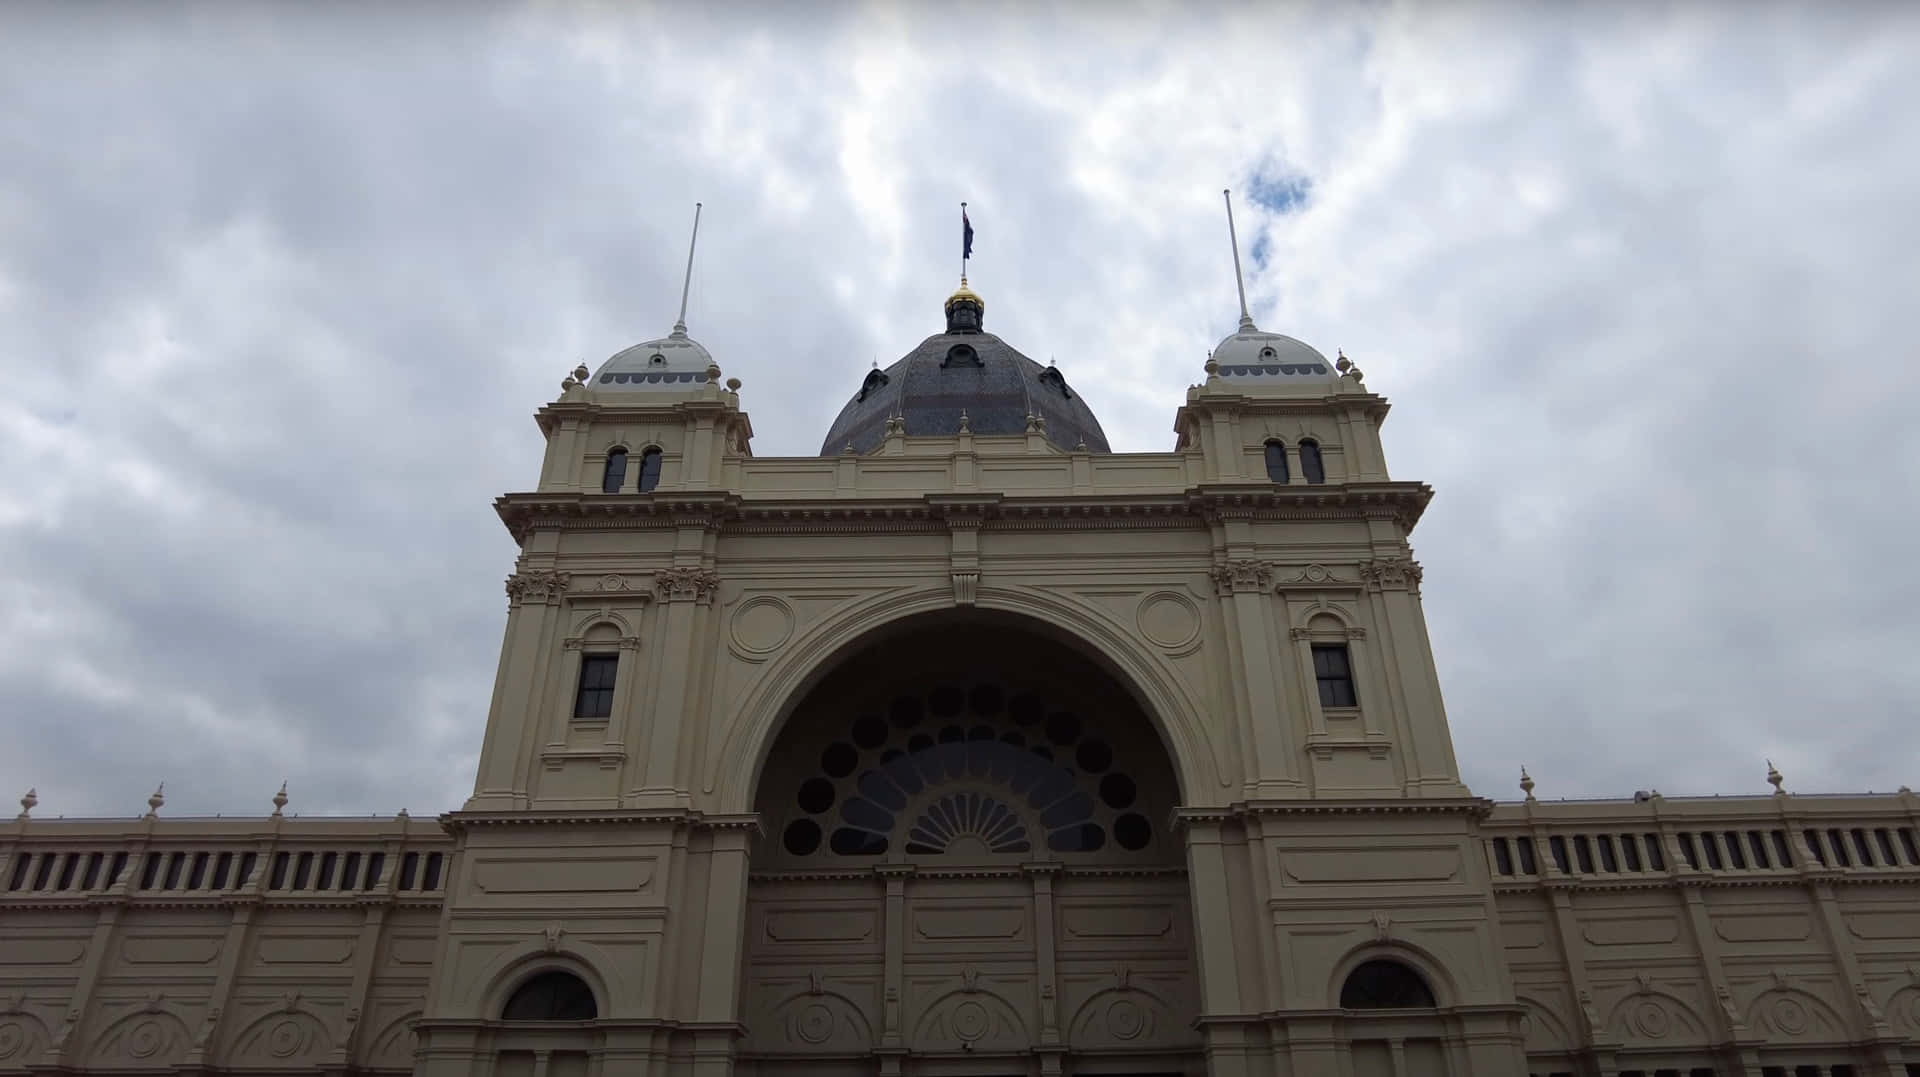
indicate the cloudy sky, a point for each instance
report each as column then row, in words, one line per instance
column 281, row 287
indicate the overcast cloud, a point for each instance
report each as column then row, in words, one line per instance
column 281, row 287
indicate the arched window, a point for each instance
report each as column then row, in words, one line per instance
column 616, row 473
column 552, row 996
column 649, row 470
column 1276, row 461
column 1385, row 985
column 1310, row 467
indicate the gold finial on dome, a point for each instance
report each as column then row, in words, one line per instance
column 965, row 293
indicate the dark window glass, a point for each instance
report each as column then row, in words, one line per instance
column 1735, row 855
column 1687, row 850
column 1906, row 840
column 409, row 867
column 1557, row 845
column 1583, row 854
column 649, row 470
column 1886, row 847
column 1334, row 672
column 1813, row 846
column 1118, row 791
column 1502, row 859
column 595, row 699
column 1656, row 859
column 1860, row 846
column 1630, row 851
column 1603, row 844
column 432, row 878
column 616, row 474
column 1528, row 865
column 1310, row 467
column 552, row 996
column 1132, row 831
column 1758, row 846
column 802, row 837
column 196, row 878
column 93, row 870
column 1839, row 846
column 1276, row 461
column 1385, row 985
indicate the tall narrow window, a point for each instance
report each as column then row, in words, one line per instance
column 1311, row 468
column 616, row 473
column 595, row 699
column 1276, row 461
column 1334, row 672
column 649, row 470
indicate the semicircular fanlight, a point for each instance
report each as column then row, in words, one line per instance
column 955, row 817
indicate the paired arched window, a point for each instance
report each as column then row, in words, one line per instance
column 1276, row 461
column 1385, row 985
column 1311, row 468
column 552, row 996
column 616, row 472
column 649, row 470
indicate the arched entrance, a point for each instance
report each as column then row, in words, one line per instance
column 965, row 868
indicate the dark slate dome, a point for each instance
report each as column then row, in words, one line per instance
column 965, row 369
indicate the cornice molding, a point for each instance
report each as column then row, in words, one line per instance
column 458, row 821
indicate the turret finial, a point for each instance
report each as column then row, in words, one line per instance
column 1775, row 779
column 27, row 804
column 280, row 801
column 1526, row 783
column 154, row 802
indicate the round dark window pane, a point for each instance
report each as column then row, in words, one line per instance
column 905, row 712
column 802, row 837
column 847, row 841
column 1063, row 727
column 1026, row 709
column 1118, row 791
column 952, row 734
column 870, row 731
column 1132, row 831
column 839, row 759
column 1085, row 838
column 1093, row 756
column 816, row 795
column 986, row 699
column 946, row 700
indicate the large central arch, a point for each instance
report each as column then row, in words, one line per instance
column 965, row 867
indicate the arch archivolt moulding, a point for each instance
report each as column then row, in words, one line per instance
column 734, row 759
column 1416, row 957
column 1789, row 1013
column 23, row 1036
column 822, row 1020
column 587, row 620
column 972, row 1019
column 152, row 1035
column 1119, row 1017
column 1650, row 1016
column 489, row 990
column 394, row 1044
column 284, row 1035
column 1543, row 1027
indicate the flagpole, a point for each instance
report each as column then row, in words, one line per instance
column 680, row 326
column 963, row 243
column 1246, row 322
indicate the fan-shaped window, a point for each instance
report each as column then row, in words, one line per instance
column 1310, row 466
column 649, row 470
column 616, row 472
column 1276, row 461
column 552, row 996
column 1385, row 985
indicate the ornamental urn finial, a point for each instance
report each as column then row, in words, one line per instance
column 1526, row 783
column 158, row 798
column 1775, row 779
column 27, row 803
column 280, row 800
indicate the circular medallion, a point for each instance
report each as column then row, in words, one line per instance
column 1125, row 1019
column 1652, row 1020
column 613, row 583
column 1789, row 1016
column 762, row 624
column 13, row 1037
column 146, row 1039
column 970, row 1021
column 815, row 1023
column 286, row 1038
column 1169, row 619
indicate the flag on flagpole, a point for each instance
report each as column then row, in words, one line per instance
column 966, row 234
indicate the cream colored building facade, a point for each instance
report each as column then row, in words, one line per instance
column 971, row 748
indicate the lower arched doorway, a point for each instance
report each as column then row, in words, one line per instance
column 966, row 868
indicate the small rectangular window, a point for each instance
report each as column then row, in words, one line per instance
column 1759, row 848
column 1838, row 845
column 1583, row 854
column 1604, row 845
column 1557, row 845
column 1334, row 672
column 595, row 698
column 1735, row 855
column 409, row 864
column 1502, row 860
column 1888, row 857
column 1687, row 850
column 1656, row 859
column 1860, row 846
column 1780, row 848
column 1528, row 865
column 1630, row 851
column 1818, row 850
column 1710, row 844
column 1906, row 841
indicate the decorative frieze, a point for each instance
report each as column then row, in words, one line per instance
column 1242, row 574
column 537, row 585
column 686, row 585
column 1396, row 573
